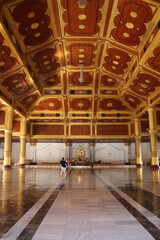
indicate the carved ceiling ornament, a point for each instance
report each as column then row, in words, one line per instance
column 82, row 3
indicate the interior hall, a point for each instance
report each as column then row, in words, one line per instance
column 79, row 119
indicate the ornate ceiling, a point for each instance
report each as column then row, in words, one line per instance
column 44, row 42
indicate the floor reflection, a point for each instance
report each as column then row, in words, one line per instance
column 84, row 195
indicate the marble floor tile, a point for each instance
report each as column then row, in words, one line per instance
column 110, row 204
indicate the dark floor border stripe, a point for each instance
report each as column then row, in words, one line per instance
column 150, row 227
column 12, row 209
column 33, row 225
column 146, row 200
column 143, row 197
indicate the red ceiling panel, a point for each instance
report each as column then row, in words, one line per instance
column 49, row 104
column 131, row 100
column 33, row 22
column 132, row 128
column 116, row 61
column 158, row 117
column 48, row 129
column 80, row 20
column 29, row 100
column 154, row 61
column 75, row 76
column 2, row 117
column 111, row 104
column 7, row 61
column 17, row 84
column 144, row 84
column 81, row 54
column 144, row 126
column 16, row 126
column 109, row 81
column 53, row 81
column 130, row 23
column 80, row 130
column 46, row 61
column 80, row 104
column 112, row 130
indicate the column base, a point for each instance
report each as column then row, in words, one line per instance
column 139, row 165
column 154, row 167
column 7, row 167
column 21, row 165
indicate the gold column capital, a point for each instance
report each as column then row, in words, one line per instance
column 150, row 110
column 136, row 120
column 127, row 143
column 137, row 137
column 8, row 131
column 91, row 143
column 68, row 144
column 9, row 110
column 33, row 142
column 24, row 119
column 153, row 132
column 23, row 137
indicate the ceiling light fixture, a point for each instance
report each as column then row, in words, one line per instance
column 81, row 79
column 82, row 2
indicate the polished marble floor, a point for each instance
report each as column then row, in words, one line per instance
column 89, row 204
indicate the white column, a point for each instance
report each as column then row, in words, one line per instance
column 33, row 143
column 92, row 152
column 68, row 150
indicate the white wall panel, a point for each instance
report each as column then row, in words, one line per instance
column 104, row 152
column 111, row 152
